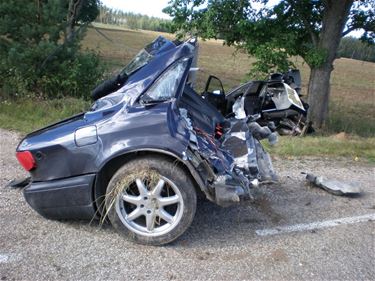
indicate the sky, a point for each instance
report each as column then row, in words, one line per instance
column 145, row 7
column 148, row 7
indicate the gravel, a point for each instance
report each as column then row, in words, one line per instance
column 221, row 244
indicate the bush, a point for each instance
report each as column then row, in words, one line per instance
column 74, row 78
column 27, row 114
column 40, row 52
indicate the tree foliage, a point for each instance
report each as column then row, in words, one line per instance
column 36, row 53
column 274, row 32
column 270, row 33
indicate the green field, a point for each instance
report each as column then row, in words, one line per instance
column 351, row 108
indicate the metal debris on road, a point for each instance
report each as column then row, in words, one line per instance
column 333, row 186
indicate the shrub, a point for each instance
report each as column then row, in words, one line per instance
column 40, row 51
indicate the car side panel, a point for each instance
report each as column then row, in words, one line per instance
column 69, row 198
column 139, row 127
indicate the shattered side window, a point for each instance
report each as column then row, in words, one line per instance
column 166, row 86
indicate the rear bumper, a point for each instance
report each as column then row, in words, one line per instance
column 70, row 198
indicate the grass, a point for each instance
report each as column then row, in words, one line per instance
column 352, row 119
column 351, row 109
column 146, row 175
column 354, row 147
column 214, row 58
column 28, row 115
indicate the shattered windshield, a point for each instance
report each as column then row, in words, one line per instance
column 141, row 59
column 145, row 55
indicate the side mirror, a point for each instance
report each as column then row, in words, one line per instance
column 213, row 85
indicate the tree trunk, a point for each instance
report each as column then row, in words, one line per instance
column 318, row 90
column 74, row 9
column 335, row 15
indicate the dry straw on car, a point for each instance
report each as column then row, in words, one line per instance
column 146, row 175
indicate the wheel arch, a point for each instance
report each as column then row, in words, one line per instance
column 109, row 168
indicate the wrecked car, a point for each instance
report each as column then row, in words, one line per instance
column 276, row 100
column 147, row 148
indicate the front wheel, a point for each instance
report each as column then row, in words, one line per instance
column 151, row 200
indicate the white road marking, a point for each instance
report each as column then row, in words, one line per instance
column 4, row 258
column 314, row 225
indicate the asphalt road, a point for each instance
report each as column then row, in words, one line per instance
column 222, row 244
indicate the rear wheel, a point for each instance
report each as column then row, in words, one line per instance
column 151, row 200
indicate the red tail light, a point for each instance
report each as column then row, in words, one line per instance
column 26, row 159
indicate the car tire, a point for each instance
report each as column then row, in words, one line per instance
column 136, row 195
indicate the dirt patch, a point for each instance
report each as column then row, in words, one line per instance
column 265, row 206
column 341, row 136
